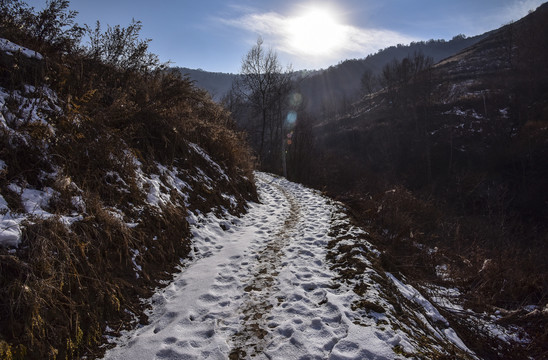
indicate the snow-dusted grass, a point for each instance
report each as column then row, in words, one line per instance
column 32, row 108
column 34, row 203
column 11, row 48
column 448, row 299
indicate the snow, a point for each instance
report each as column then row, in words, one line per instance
column 213, row 164
column 34, row 105
column 10, row 48
column 504, row 113
column 413, row 294
column 450, row 298
column 446, row 298
column 260, row 287
column 463, row 113
column 10, row 232
column 134, row 254
column 35, row 203
column 33, row 200
column 173, row 179
column 155, row 195
column 442, row 271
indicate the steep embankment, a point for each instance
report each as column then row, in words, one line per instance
column 101, row 170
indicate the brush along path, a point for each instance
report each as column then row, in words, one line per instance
column 261, row 286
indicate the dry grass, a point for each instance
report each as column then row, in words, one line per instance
column 492, row 271
column 62, row 286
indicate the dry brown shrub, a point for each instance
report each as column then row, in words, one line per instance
column 63, row 285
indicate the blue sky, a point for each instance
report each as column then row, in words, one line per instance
column 214, row 35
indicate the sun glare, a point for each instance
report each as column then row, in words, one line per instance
column 315, row 33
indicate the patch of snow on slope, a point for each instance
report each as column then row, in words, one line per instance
column 414, row 295
column 158, row 187
column 10, row 232
column 35, row 203
column 213, row 164
column 449, row 299
column 10, row 48
column 173, row 179
column 33, row 106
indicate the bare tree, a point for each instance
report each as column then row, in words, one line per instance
column 53, row 27
column 264, row 86
column 408, row 79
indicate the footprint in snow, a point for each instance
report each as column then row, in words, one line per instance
column 210, row 298
column 170, row 340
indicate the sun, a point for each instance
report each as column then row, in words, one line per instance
column 316, row 33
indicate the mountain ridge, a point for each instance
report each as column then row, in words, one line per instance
column 337, row 85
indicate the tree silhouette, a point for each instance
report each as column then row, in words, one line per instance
column 264, row 86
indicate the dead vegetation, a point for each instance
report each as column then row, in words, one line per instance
column 380, row 303
column 104, row 129
column 420, row 240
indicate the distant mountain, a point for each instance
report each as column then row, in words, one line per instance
column 330, row 90
column 216, row 83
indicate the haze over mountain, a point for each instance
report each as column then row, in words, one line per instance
column 329, row 90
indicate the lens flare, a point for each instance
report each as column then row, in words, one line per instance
column 291, row 118
column 295, row 99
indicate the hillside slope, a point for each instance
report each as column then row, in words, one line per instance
column 101, row 166
column 216, row 84
column 448, row 168
column 331, row 90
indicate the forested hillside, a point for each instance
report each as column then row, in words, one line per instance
column 332, row 90
column 104, row 156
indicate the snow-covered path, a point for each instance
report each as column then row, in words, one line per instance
column 260, row 287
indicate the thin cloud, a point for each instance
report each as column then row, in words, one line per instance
column 370, row 40
column 354, row 41
column 266, row 24
column 511, row 12
column 520, row 8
